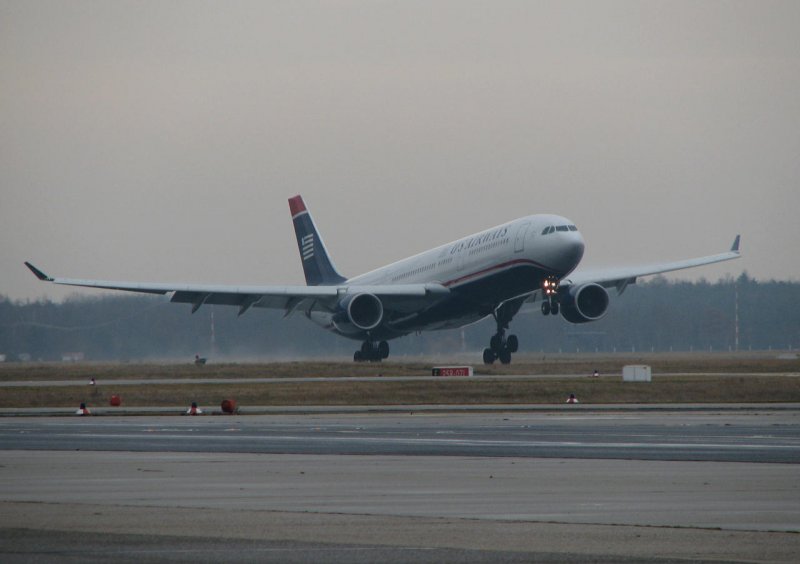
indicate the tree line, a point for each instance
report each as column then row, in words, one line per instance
column 657, row 315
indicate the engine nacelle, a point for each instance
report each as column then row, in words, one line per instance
column 359, row 312
column 583, row 303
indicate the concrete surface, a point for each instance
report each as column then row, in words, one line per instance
column 552, row 510
column 223, row 501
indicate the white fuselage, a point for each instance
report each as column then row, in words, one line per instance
column 483, row 270
column 487, row 252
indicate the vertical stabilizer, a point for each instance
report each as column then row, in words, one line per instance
column 317, row 266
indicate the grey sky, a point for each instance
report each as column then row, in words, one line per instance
column 159, row 141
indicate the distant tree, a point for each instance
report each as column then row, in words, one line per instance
column 658, row 315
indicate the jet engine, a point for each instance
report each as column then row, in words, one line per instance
column 583, row 303
column 359, row 312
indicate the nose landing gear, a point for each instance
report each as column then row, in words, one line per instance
column 550, row 291
column 550, row 306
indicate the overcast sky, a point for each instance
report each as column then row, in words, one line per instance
column 159, row 141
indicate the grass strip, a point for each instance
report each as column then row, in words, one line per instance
column 677, row 389
column 523, row 364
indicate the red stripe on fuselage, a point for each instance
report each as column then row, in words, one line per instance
column 495, row 267
column 296, row 205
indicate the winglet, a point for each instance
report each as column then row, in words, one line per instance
column 735, row 247
column 38, row 273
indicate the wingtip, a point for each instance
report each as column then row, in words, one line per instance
column 735, row 247
column 38, row 273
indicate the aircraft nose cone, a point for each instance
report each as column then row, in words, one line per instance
column 570, row 252
column 573, row 252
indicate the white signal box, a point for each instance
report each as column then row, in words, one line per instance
column 636, row 373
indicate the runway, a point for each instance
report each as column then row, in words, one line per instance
column 761, row 436
column 402, row 487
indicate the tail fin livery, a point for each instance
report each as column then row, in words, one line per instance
column 317, row 266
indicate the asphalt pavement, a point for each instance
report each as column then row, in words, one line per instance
column 709, row 484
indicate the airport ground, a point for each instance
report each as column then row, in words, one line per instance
column 476, row 483
column 685, row 378
column 743, row 362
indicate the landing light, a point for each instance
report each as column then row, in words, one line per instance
column 550, row 286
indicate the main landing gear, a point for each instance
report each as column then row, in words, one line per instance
column 500, row 346
column 372, row 352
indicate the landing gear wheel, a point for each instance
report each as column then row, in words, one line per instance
column 512, row 343
column 370, row 352
column 546, row 308
column 554, row 308
column 500, row 346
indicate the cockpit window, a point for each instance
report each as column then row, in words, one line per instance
column 553, row 228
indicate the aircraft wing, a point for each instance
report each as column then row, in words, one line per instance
column 287, row 298
column 620, row 277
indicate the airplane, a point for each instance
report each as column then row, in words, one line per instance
column 490, row 273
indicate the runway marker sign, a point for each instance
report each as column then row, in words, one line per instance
column 452, row 371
